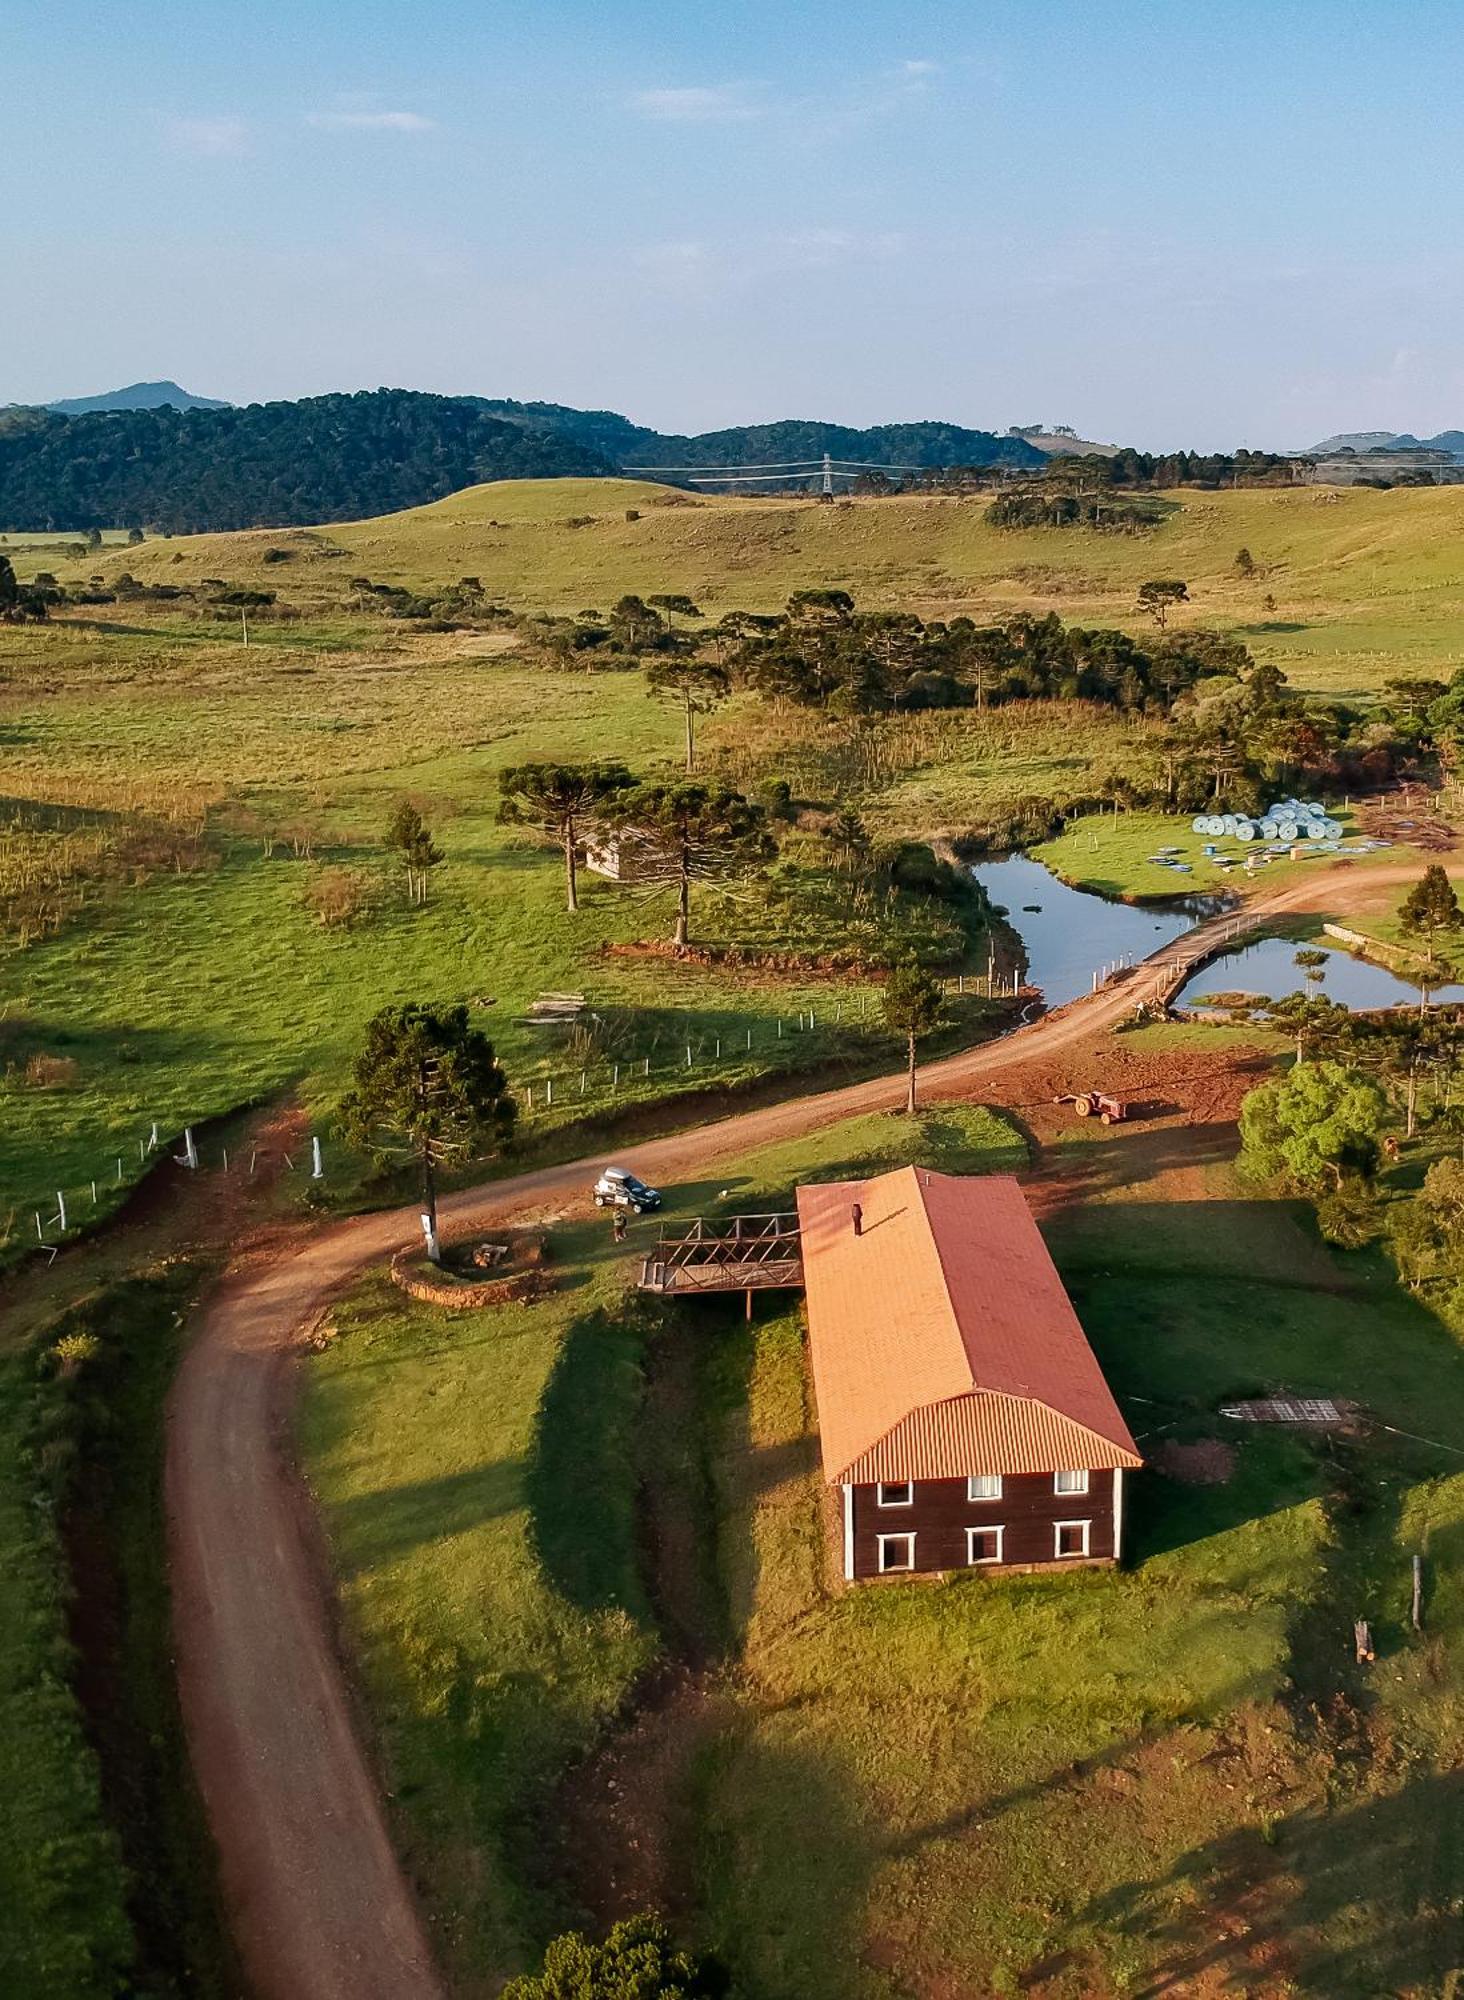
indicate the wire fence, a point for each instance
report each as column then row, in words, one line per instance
column 81, row 1204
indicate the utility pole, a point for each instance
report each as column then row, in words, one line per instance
column 244, row 621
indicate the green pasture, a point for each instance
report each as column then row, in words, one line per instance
column 1350, row 585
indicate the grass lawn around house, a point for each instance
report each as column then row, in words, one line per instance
column 477, row 1474
column 1066, row 1782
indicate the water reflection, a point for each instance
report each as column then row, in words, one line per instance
column 1269, row 967
column 1069, row 934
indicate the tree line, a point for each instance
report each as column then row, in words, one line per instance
column 325, row 458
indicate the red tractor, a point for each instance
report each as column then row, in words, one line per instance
column 1101, row 1104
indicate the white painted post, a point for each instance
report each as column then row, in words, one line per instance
column 583, row 1075
column 142, row 1149
column 647, row 1070
column 719, row 1049
column 780, row 1029
column 615, row 1077
column 119, row 1170
column 253, row 1159
column 434, row 1248
column 40, row 1233
column 152, row 1136
column 688, row 1055
column 548, row 1090
column 94, row 1194
column 749, row 1038
column 190, row 1151
column 61, row 1210
column 317, row 1165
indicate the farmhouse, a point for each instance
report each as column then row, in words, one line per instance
column 961, row 1411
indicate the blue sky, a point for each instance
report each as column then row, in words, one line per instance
column 1177, row 223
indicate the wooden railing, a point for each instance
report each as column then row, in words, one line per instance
column 732, row 1254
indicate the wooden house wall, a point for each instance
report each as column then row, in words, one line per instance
column 940, row 1513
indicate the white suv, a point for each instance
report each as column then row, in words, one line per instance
column 618, row 1189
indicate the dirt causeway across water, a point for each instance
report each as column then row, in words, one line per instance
column 319, row 1905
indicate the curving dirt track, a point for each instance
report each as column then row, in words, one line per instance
column 318, row 1902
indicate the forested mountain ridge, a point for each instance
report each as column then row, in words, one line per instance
column 343, row 457
column 326, row 458
column 921, row 445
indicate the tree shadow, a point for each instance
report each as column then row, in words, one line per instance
column 1329, row 1903
column 380, row 1527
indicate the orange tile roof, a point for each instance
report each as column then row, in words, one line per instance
column 943, row 1342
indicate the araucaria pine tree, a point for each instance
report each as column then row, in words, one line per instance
column 913, row 1005
column 426, row 1087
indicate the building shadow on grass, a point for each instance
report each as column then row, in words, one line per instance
column 1360, row 1901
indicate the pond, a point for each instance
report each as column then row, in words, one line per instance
column 1069, row 934
column 1269, row 967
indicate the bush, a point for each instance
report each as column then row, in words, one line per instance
column 637, row 1961
column 1349, row 1216
column 45, row 1072
column 337, row 897
column 73, row 1350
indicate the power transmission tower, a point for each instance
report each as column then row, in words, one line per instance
column 826, row 491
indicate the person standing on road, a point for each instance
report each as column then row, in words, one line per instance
column 618, row 1225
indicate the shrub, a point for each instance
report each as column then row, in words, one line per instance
column 337, row 897
column 637, row 1961
column 1349, row 1216
column 45, row 1072
column 73, row 1350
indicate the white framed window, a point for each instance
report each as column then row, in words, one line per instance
column 983, row 1545
column 896, row 1552
column 984, row 1486
column 895, row 1493
column 1069, row 1482
column 1070, row 1538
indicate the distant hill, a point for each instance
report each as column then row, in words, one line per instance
column 269, row 465
column 337, row 458
column 1354, row 441
column 926, row 446
column 1450, row 441
column 140, row 396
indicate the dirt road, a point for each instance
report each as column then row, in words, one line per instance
column 319, row 1904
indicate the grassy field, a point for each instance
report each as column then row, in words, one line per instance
column 1362, row 584
column 195, row 992
column 186, row 992
column 1074, row 1787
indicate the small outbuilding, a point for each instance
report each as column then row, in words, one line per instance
column 962, row 1414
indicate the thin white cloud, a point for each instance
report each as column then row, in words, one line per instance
column 676, row 262
column 691, row 266
column 370, row 121
column 919, row 66
column 699, row 104
column 210, row 138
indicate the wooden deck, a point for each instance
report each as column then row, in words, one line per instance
column 740, row 1253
